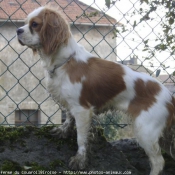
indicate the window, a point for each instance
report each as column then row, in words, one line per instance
column 26, row 117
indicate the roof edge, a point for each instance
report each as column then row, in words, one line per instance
column 71, row 23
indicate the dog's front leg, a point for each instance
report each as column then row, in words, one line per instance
column 83, row 120
column 64, row 130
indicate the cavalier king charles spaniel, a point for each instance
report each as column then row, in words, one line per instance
column 85, row 85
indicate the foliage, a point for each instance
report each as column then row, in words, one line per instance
column 110, row 122
column 162, row 11
column 11, row 134
column 9, row 165
column 166, row 40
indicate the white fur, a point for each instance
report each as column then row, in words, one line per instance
column 148, row 125
column 28, row 38
column 34, row 13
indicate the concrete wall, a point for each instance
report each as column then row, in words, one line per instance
column 97, row 40
column 22, row 76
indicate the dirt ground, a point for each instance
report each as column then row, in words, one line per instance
column 29, row 150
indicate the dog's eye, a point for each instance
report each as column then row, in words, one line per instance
column 34, row 24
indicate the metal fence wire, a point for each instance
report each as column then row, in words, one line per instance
column 132, row 32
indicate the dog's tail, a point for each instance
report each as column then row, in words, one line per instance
column 171, row 109
column 173, row 101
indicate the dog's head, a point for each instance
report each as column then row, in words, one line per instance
column 45, row 29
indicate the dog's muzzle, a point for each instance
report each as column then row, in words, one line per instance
column 19, row 31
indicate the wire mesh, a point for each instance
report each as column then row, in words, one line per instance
column 131, row 37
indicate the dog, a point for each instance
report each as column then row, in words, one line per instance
column 85, row 85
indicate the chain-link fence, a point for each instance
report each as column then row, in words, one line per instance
column 126, row 36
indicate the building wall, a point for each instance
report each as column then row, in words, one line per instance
column 22, row 76
column 97, row 40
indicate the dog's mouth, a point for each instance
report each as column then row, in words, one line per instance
column 21, row 42
column 34, row 46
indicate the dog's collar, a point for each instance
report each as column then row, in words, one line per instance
column 51, row 72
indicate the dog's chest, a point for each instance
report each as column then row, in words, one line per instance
column 55, row 87
column 62, row 90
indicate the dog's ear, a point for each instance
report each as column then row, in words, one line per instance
column 54, row 32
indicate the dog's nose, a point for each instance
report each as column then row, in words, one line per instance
column 19, row 31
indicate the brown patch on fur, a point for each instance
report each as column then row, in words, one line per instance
column 102, row 80
column 39, row 21
column 171, row 110
column 76, row 70
column 53, row 30
column 144, row 97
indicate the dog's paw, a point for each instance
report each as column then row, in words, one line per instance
column 59, row 132
column 78, row 162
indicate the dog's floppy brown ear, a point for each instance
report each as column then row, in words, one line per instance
column 54, row 32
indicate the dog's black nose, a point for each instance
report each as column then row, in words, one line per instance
column 19, row 31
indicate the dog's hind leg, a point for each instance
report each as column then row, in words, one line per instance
column 64, row 130
column 148, row 138
column 155, row 157
column 83, row 121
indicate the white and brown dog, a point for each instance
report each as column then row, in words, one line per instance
column 85, row 84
